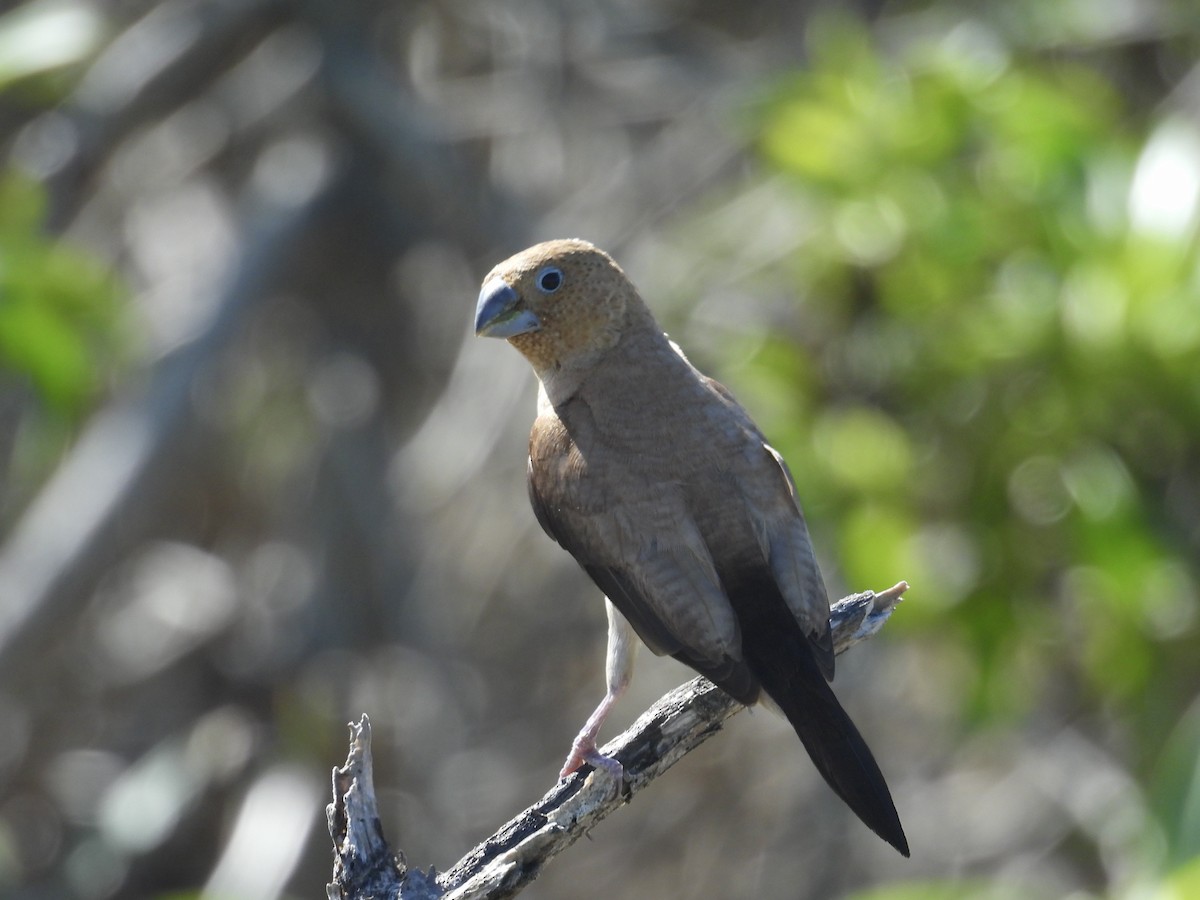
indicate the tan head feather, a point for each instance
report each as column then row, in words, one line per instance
column 580, row 296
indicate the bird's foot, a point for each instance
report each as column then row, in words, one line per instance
column 609, row 764
column 586, row 752
column 607, row 768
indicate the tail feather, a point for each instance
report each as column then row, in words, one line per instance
column 778, row 653
column 835, row 745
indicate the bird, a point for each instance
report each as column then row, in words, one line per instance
column 660, row 485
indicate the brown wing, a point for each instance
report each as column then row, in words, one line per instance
column 637, row 542
column 769, row 492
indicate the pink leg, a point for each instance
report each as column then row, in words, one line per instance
column 618, row 671
column 583, row 749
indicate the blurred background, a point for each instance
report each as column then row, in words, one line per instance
column 259, row 478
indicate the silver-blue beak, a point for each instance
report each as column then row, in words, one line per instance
column 496, row 314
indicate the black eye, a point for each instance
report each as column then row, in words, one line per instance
column 549, row 280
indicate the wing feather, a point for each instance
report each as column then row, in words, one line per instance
column 769, row 490
column 638, row 544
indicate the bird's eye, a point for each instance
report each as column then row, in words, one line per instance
column 549, row 280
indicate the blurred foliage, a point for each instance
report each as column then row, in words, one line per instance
column 992, row 376
column 970, row 890
column 41, row 39
column 1007, row 359
column 58, row 305
column 59, row 333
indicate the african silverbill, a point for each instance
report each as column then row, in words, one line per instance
column 659, row 484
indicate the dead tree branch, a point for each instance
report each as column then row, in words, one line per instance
column 501, row 866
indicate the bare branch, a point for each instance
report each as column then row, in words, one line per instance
column 504, row 863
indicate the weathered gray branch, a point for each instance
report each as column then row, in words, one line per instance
column 500, row 866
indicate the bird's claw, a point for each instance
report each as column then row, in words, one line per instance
column 608, row 769
column 587, row 753
column 606, row 764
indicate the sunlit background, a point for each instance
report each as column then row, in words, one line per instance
column 259, row 477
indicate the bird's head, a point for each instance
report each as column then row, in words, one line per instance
column 558, row 303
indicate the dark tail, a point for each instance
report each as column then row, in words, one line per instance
column 779, row 654
column 837, row 749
